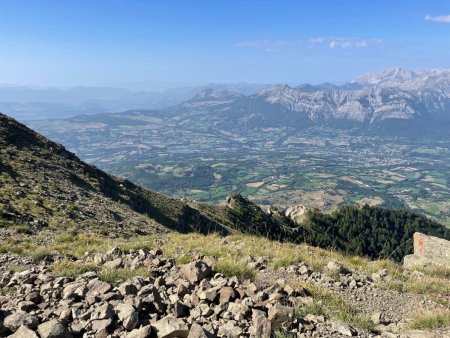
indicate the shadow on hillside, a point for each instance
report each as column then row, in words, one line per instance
column 169, row 212
column 5, row 168
column 81, row 183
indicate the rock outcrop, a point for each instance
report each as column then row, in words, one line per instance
column 295, row 212
column 429, row 251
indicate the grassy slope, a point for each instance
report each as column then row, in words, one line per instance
column 44, row 185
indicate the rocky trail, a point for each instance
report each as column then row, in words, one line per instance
column 191, row 300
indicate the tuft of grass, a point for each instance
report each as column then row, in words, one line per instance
column 73, row 269
column 77, row 245
column 357, row 261
column 439, row 272
column 336, row 276
column 121, row 275
column 282, row 262
column 9, row 247
column 428, row 285
column 19, row 268
column 22, row 229
column 144, row 243
column 230, row 268
column 396, row 285
column 39, row 253
column 314, row 308
column 7, row 290
column 72, row 207
column 207, row 245
column 65, row 238
column 394, row 269
column 334, row 306
column 183, row 259
column 431, row 321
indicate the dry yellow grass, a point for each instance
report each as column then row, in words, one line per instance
column 431, row 321
column 229, row 253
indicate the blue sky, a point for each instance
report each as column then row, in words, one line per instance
column 168, row 43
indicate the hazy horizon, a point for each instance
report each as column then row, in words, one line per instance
column 162, row 87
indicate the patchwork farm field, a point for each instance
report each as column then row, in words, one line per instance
column 317, row 167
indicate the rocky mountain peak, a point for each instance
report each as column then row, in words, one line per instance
column 215, row 94
column 403, row 79
column 276, row 89
column 388, row 76
column 282, row 94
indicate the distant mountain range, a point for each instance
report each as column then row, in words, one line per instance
column 396, row 100
column 391, row 97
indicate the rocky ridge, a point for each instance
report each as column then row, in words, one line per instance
column 391, row 96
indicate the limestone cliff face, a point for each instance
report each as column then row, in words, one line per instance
column 429, row 251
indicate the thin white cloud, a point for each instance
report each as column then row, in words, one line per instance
column 344, row 42
column 439, row 18
column 269, row 45
column 266, row 45
column 316, row 40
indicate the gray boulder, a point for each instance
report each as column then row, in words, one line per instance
column 24, row 332
column 97, row 287
column 230, row 330
column 343, row 328
column 281, row 316
column 194, row 272
column 105, row 311
column 128, row 316
column 171, row 327
column 2, row 326
column 74, row 289
column 262, row 327
column 18, row 319
column 128, row 288
column 100, row 325
column 143, row 332
column 335, row 267
column 197, row 331
column 53, row 329
column 429, row 251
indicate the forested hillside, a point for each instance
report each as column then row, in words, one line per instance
column 371, row 231
column 375, row 232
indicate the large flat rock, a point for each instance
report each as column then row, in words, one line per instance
column 429, row 251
